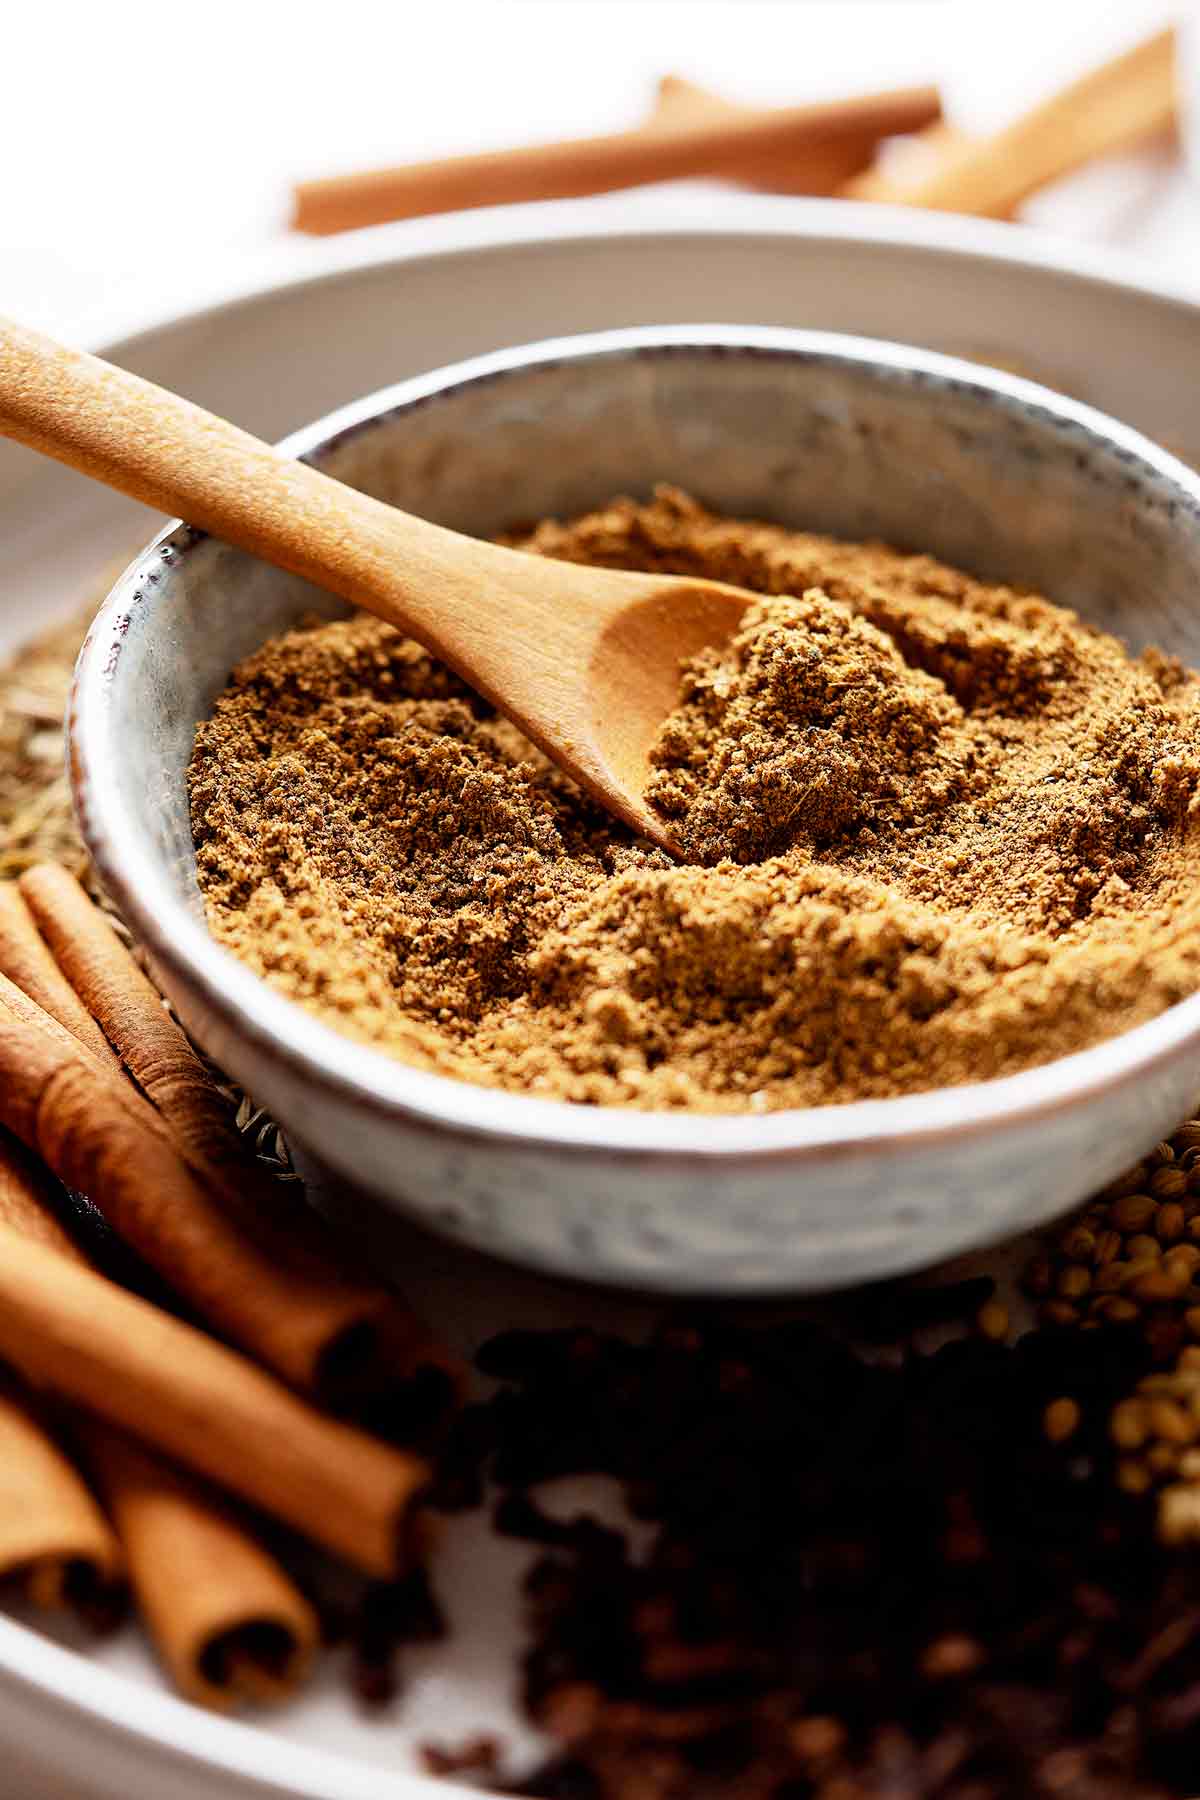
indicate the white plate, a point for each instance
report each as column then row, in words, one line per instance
column 91, row 1727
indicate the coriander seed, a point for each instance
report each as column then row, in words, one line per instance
column 1061, row 1420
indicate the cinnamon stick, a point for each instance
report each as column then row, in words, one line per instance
column 345, row 1328
column 227, row 1621
column 101, row 1137
column 25, row 1202
column 841, row 166
column 601, row 164
column 1116, row 106
column 68, row 1329
column 30, row 1012
column 126, row 1010
column 911, row 162
column 53, row 1535
column 818, row 168
column 27, row 961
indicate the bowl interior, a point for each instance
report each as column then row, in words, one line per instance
column 844, row 436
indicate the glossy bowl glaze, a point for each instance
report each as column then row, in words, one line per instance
column 836, row 434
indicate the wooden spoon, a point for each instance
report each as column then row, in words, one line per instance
column 586, row 661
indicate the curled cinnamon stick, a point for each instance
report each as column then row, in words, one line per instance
column 27, row 961
column 53, row 1536
column 25, row 1200
column 817, row 168
column 68, row 1329
column 333, row 1327
column 600, row 164
column 912, row 161
column 22, row 1007
column 1120, row 104
column 227, row 1621
column 125, row 1008
column 846, row 166
column 49, row 1523
column 102, row 1138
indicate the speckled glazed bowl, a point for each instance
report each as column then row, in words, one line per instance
column 842, row 435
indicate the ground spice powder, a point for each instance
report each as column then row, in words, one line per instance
column 937, row 831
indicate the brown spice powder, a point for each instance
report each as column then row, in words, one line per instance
column 941, row 831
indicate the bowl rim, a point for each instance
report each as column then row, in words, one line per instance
column 353, row 1074
column 301, row 265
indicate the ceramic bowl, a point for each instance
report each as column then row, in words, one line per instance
column 836, row 434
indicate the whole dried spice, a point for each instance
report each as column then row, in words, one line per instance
column 37, row 820
column 865, row 1580
column 939, row 830
column 1131, row 1257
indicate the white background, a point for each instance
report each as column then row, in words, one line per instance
column 147, row 150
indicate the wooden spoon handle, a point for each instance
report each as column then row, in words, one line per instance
column 163, row 450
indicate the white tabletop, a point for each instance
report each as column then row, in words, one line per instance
column 147, row 162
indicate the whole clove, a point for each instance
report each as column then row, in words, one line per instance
column 865, row 1581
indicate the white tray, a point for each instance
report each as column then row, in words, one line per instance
column 95, row 1726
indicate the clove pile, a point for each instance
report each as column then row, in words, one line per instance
column 864, row 1579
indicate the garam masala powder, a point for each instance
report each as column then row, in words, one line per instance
column 935, row 831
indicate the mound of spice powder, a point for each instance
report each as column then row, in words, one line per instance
column 936, row 831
